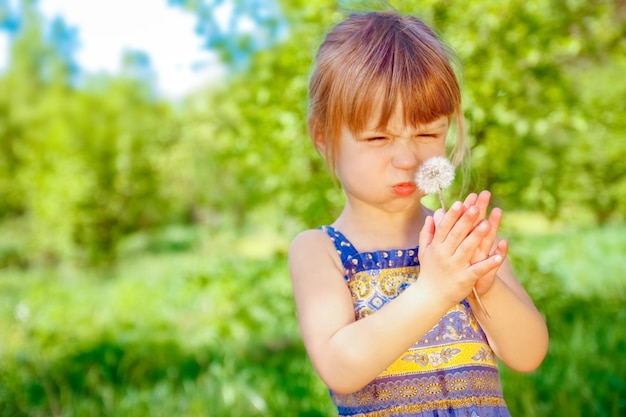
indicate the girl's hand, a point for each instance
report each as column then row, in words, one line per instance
column 446, row 252
column 490, row 245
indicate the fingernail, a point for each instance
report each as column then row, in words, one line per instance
column 456, row 206
column 497, row 259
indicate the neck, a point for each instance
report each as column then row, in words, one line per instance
column 369, row 230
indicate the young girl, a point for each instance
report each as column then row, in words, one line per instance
column 384, row 294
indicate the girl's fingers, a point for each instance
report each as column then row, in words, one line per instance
column 489, row 241
column 464, row 233
column 486, row 281
column 446, row 222
column 470, row 200
column 427, row 233
column 482, row 202
column 468, row 248
column 484, row 267
column 438, row 215
column 502, row 248
column 462, row 228
column 495, row 219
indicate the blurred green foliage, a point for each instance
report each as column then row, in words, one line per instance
column 78, row 166
column 189, row 207
column 85, row 167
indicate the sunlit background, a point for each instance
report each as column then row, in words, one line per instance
column 155, row 164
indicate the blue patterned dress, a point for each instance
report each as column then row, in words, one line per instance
column 450, row 372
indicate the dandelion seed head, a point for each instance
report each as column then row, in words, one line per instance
column 435, row 175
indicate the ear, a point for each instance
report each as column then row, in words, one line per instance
column 317, row 135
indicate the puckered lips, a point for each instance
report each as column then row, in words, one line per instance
column 404, row 189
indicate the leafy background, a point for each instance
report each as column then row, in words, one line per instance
column 143, row 241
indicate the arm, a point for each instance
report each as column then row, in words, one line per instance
column 516, row 330
column 348, row 354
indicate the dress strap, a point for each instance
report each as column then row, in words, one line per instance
column 345, row 249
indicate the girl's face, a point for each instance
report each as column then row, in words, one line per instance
column 377, row 167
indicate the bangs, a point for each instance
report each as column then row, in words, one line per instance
column 399, row 68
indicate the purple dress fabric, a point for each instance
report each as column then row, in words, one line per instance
column 450, row 372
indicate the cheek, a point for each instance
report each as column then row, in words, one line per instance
column 358, row 168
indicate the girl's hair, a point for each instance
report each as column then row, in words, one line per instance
column 381, row 55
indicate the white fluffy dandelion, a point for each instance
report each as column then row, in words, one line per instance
column 435, row 175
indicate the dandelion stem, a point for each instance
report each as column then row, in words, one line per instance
column 443, row 205
column 480, row 303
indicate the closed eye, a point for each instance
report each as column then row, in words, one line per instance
column 375, row 138
column 430, row 137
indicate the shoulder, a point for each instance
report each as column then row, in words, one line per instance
column 312, row 249
column 311, row 237
column 313, row 242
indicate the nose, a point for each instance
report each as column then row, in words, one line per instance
column 404, row 156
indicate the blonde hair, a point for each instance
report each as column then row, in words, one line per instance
column 381, row 55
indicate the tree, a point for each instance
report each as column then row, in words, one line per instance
column 522, row 66
column 521, row 63
column 78, row 164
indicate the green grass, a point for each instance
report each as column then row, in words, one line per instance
column 174, row 333
column 576, row 280
column 190, row 328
